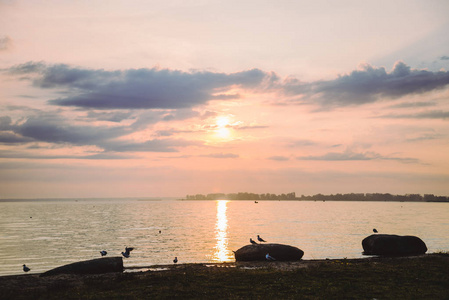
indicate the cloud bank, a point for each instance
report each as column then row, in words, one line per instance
column 137, row 88
column 368, row 85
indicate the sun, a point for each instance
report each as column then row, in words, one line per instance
column 222, row 121
column 222, row 127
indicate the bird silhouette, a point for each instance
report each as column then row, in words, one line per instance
column 26, row 269
column 252, row 241
column 375, row 230
column 127, row 251
column 260, row 239
column 103, row 252
column 175, row 260
column 268, row 257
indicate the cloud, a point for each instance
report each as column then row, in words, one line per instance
column 353, row 156
column 11, row 138
column 338, row 156
column 52, row 129
column 301, row 143
column 433, row 114
column 279, row 158
column 5, row 42
column 114, row 116
column 137, row 88
column 221, row 155
column 444, row 57
column 413, row 104
column 369, row 84
column 18, row 154
column 155, row 145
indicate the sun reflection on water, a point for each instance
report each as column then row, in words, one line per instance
column 222, row 253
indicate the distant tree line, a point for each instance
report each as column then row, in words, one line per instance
column 377, row 197
column 321, row 197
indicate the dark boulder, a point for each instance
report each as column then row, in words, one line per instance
column 390, row 244
column 94, row 266
column 277, row 251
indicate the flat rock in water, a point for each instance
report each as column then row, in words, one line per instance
column 94, row 266
column 390, row 244
column 277, row 251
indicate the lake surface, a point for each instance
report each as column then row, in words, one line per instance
column 48, row 234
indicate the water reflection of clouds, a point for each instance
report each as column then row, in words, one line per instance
column 222, row 253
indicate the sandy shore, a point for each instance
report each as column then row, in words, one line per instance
column 419, row 276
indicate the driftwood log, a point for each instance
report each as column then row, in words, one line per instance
column 94, row 266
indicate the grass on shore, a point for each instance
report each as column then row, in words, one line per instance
column 423, row 277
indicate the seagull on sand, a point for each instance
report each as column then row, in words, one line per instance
column 268, row 257
column 103, row 253
column 260, row 239
column 175, row 260
column 375, row 230
column 252, row 241
column 127, row 251
column 26, row 269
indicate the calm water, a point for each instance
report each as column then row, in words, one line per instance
column 47, row 234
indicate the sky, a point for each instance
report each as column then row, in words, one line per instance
column 173, row 98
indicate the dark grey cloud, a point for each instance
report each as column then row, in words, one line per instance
column 58, row 131
column 367, row 85
column 432, row 114
column 53, row 130
column 413, row 104
column 354, row 156
column 136, row 88
column 114, row 116
column 25, row 155
column 155, row 145
column 444, row 57
column 11, row 138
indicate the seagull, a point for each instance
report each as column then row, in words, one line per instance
column 26, row 269
column 268, row 257
column 127, row 251
column 252, row 241
column 103, row 253
column 260, row 239
column 375, row 230
column 175, row 260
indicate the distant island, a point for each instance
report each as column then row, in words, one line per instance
column 321, row 197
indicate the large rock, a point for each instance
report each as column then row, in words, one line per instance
column 94, row 266
column 277, row 251
column 390, row 244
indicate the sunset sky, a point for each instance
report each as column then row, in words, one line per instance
column 168, row 98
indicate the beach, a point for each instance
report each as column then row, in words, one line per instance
column 416, row 277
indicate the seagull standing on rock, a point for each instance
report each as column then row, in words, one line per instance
column 252, row 241
column 127, row 251
column 26, row 269
column 103, row 253
column 260, row 239
column 268, row 257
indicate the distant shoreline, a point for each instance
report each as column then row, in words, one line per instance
column 184, row 199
